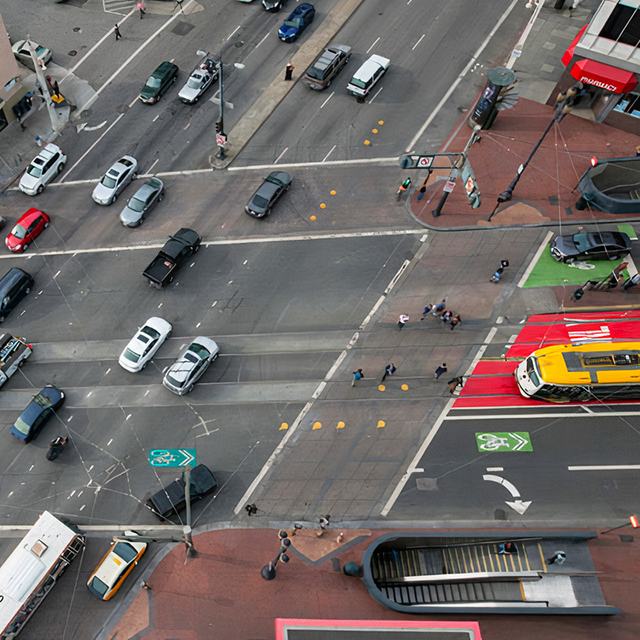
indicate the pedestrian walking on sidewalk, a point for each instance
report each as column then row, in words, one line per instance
column 39, row 141
column 251, row 509
column 288, row 72
column 177, row 4
column 357, row 375
column 426, row 311
column 402, row 320
column 146, row 586
column 439, row 308
column 454, row 383
column 455, row 321
column 389, row 370
column 441, row 369
column 446, row 316
column 141, row 6
column 324, row 521
column 116, row 30
column 423, row 188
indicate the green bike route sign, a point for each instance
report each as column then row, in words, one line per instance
column 504, row 441
column 172, row 457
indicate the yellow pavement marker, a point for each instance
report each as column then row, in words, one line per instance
column 340, row 425
column 317, row 425
column 283, row 427
column 381, row 423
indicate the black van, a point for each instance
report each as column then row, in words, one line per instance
column 14, row 285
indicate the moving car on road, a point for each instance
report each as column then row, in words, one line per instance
column 299, row 19
column 178, row 248
column 37, row 414
column 140, row 204
column 42, row 170
column 27, row 229
column 144, row 344
column 158, row 83
column 330, row 63
column 14, row 286
column 115, row 566
column 189, row 367
column 172, row 500
column 199, row 81
column 366, row 77
column 274, row 185
column 115, row 180
column 605, row 245
column 273, row 5
column 23, row 55
column 13, row 352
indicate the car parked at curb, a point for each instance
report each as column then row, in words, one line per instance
column 144, row 345
column 159, row 82
column 269, row 192
column 115, row 180
column 115, row 566
column 140, row 204
column 191, row 365
column 604, row 245
column 37, row 413
column 26, row 230
column 23, row 55
column 42, row 170
column 326, row 67
column 299, row 19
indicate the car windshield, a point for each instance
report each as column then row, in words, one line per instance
column 200, row 350
column 193, row 83
column 259, row 202
column 108, row 182
column 150, row 331
column 125, row 551
column 136, row 205
column 19, row 232
column 22, row 426
column 41, row 400
column 34, row 171
column 154, row 82
column 40, row 50
column 98, row 586
column 293, row 23
column 581, row 241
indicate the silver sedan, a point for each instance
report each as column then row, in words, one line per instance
column 140, row 204
column 115, row 180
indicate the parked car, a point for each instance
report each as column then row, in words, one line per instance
column 14, row 286
column 115, row 566
column 171, row 500
column 42, row 170
column 605, row 245
column 13, row 353
column 27, row 229
column 199, row 81
column 366, row 77
column 177, row 249
column 144, row 345
column 299, row 19
column 158, row 83
column 141, row 202
column 274, row 185
column 273, row 5
column 189, row 367
column 38, row 412
column 330, row 63
column 115, row 180
column 23, row 55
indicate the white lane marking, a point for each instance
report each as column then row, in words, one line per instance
column 517, row 505
column 233, row 32
column 535, row 259
column 335, row 366
column 280, row 156
column 533, row 416
column 327, row 100
column 84, row 155
column 606, row 467
column 259, row 43
column 374, row 97
column 294, row 165
column 330, row 152
column 419, row 41
column 413, row 464
column 397, row 277
column 494, row 469
column 457, row 81
column 133, row 102
column 153, row 165
column 375, row 307
column 228, row 241
column 373, row 45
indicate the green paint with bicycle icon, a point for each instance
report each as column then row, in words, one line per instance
column 504, row 441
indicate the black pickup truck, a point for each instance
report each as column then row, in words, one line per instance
column 179, row 247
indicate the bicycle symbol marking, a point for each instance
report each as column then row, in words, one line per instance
column 493, row 442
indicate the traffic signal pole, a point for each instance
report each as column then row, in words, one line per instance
column 220, row 124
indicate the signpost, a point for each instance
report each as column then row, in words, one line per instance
column 172, row 457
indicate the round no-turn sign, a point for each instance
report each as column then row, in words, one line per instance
column 425, row 161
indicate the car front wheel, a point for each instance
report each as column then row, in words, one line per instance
column 40, row 189
column 60, row 167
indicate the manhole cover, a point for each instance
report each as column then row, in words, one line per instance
column 182, row 28
column 77, row 29
column 72, row 53
column 239, row 44
column 86, row 113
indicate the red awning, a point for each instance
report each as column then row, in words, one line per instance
column 568, row 54
column 603, row 76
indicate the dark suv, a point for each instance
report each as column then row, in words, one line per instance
column 159, row 81
column 320, row 74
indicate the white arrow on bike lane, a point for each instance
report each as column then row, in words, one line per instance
column 517, row 505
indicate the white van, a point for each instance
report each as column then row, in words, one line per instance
column 367, row 75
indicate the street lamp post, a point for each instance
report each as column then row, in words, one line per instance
column 220, row 123
column 268, row 572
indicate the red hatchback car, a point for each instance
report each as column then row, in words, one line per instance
column 27, row 229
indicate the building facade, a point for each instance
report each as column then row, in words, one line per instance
column 11, row 89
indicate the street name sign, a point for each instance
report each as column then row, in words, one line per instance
column 172, row 457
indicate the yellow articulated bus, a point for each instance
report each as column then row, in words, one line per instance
column 578, row 373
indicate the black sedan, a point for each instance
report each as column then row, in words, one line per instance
column 274, row 185
column 605, row 245
column 36, row 415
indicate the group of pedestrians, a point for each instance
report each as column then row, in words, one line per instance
column 440, row 311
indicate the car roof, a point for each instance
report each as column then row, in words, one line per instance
column 29, row 215
column 164, row 67
column 110, row 569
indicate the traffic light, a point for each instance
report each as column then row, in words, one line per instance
column 219, row 125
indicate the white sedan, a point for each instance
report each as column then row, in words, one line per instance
column 144, row 344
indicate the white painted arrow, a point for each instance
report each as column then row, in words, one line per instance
column 518, row 505
column 98, row 126
column 520, row 441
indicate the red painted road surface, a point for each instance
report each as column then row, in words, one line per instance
column 492, row 383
